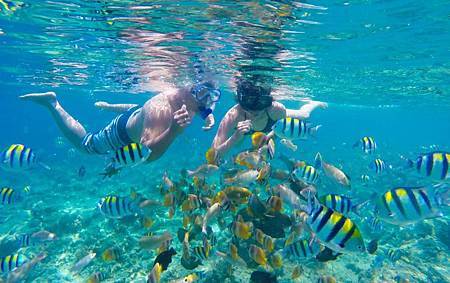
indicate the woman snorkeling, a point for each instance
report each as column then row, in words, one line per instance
column 256, row 111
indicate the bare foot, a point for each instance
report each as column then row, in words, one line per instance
column 43, row 98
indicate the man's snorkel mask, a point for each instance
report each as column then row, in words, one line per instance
column 206, row 94
column 253, row 97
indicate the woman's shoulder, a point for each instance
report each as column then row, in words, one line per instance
column 277, row 111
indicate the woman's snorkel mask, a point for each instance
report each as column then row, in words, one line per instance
column 206, row 94
column 253, row 97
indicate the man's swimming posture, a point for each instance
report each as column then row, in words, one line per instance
column 154, row 125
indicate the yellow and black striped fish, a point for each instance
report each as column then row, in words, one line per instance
column 293, row 129
column 434, row 165
column 367, row 144
column 11, row 262
column 333, row 229
column 302, row 249
column 378, row 165
column 9, row 196
column 131, row 154
column 306, row 173
column 408, row 205
column 18, row 156
column 337, row 203
column 116, row 206
column 202, row 252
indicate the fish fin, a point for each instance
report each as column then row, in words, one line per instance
column 318, row 161
column 313, row 130
column 46, row 167
column 358, row 206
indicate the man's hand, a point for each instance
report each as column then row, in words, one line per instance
column 209, row 122
column 181, row 116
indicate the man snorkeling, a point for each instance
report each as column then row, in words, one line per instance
column 155, row 125
column 256, row 111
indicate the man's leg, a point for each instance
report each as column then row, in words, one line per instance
column 70, row 127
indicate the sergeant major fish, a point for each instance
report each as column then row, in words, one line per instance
column 307, row 173
column 117, row 207
column 11, row 262
column 293, row 129
column 434, row 165
column 302, row 249
column 367, row 144
column 333, row 229
column 408, row 205
column 18, row 156
column 131, row 154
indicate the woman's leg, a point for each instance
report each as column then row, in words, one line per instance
column 70, row 127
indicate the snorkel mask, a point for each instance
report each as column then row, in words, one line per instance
column 253, row 97
column 206, row 94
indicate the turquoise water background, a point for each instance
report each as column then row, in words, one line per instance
column 383, row 67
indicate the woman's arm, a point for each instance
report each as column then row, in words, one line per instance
column 223, row 141
column 305, row 111
column 119, row 108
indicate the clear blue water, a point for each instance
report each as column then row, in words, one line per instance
column 383, row 67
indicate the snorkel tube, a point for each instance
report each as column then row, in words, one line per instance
column 206, row 94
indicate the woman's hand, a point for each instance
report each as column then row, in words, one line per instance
column 181, row 117
column 209, row 122
column 244, row 127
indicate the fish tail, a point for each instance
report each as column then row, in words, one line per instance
column 441, row 194
column 46, row 167
column 356, row 208
column 356, row 144
column 313, row 130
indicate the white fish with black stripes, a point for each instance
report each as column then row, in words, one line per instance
column 294, row 129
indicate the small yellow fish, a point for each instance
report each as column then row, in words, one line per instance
column 212, row 156
column 192, row 202
column 259, row 139
column 155, row 274
column 96, row 277
column 276, row 261
column 147, row 222
column 111, row 254
column 234, row 252
column 326, row 279
column 258, row 255
column 296, row 272
column 154, row 242
column 171, row 212
column 242, row 230
column 169, row 199
column 266, row 241
column 237, row 195
column 275, row 203
column 186, row 221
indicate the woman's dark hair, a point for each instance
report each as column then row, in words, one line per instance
column 253, row 96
